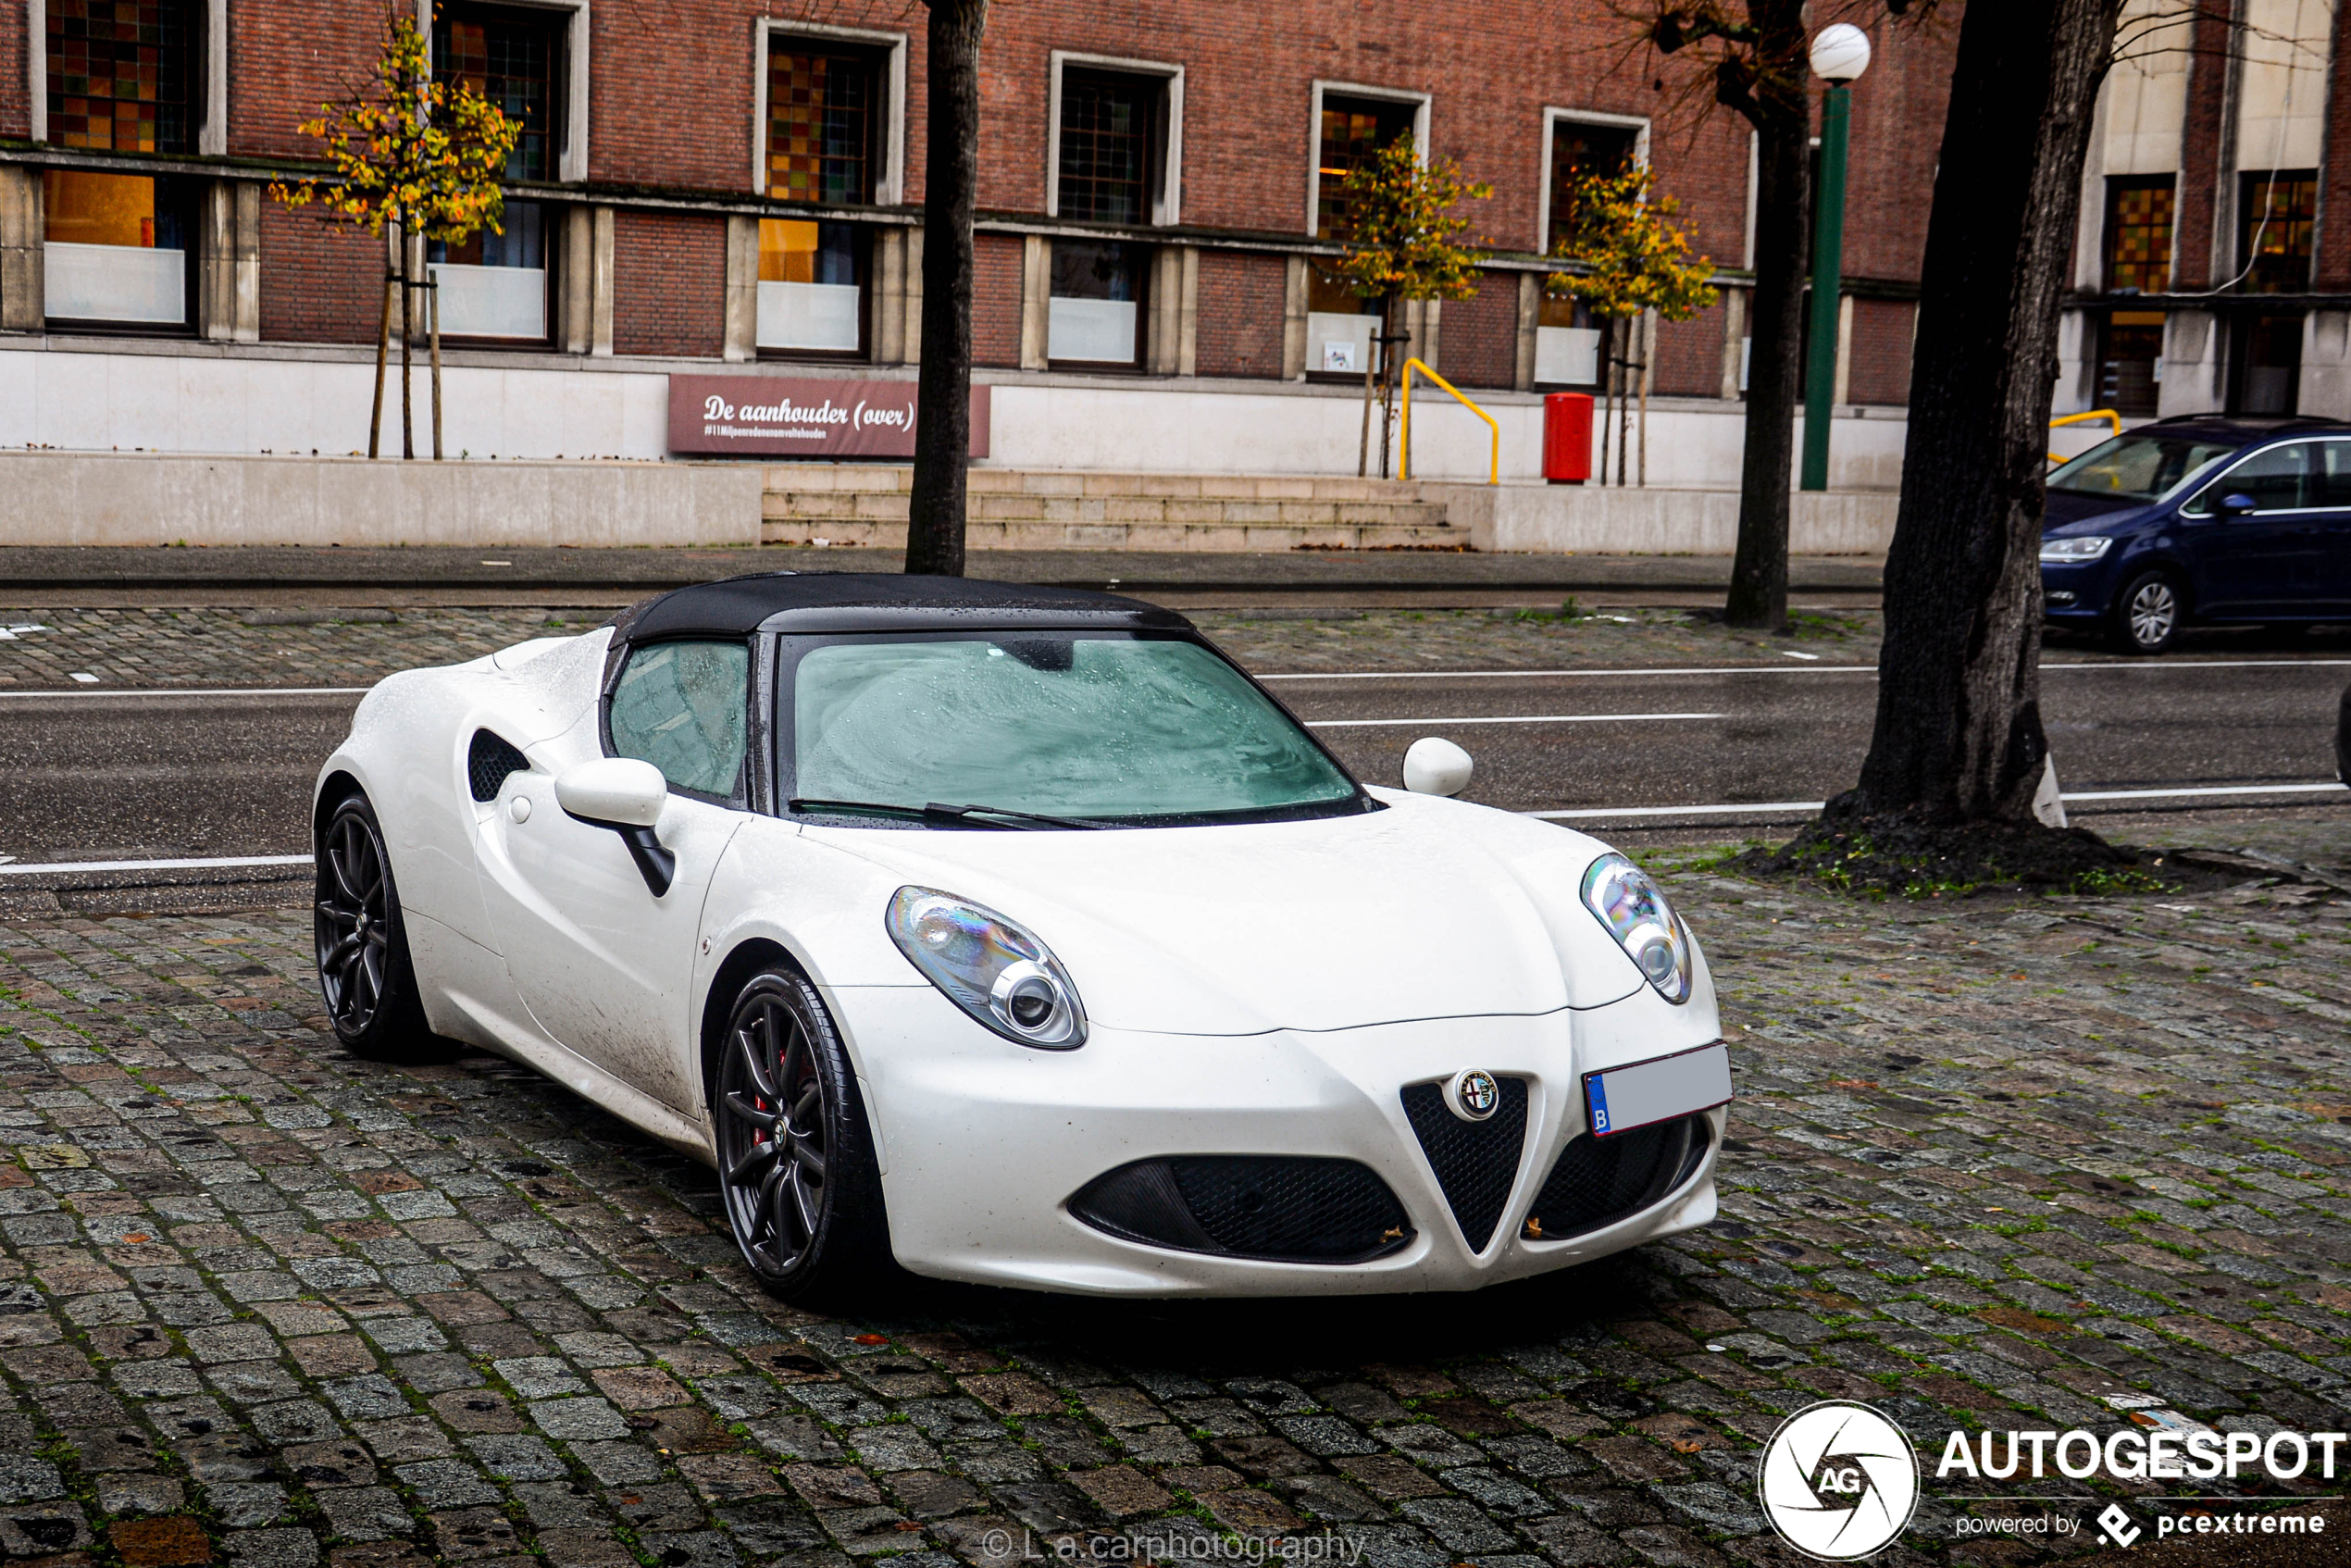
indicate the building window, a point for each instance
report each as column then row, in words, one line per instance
column 495, row 285
column 1095, row 315
column 1111, row 154
column 509, row 57
column 811, row 297
column 2138, row 236
column 824, row 128
column 2277, row 215
column 120, row 74
column 2130, row 362
column 119, row 77
column 823, row 123
column 1112, row 140
column 1570, row 342
column 2265, row 365
column 1342, row 326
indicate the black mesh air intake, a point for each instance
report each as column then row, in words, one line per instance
column 1475, row 1161
column 1267, row 1207
column 1598, row 1181
column 488, row 762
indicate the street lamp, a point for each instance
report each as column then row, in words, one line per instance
column 1840, row 54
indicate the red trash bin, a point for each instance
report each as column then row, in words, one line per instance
column 1567, row 437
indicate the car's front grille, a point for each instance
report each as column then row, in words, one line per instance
column 1475, row 1161
column 1270, row 1208
column 1598, row 1181
column 488, row 762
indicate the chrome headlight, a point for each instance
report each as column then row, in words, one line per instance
column 992, row 969
column 1635, row 911
column 2073, row 552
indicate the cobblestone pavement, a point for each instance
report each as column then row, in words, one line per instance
column 1994, row 1163
column 330, row 647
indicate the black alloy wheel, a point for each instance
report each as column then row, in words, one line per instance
column 365, row 975
column 2148, row 613
column 796, row 1162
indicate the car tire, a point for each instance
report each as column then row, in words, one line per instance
column 364, row 973
column 2147, row 613
column 796, row 1165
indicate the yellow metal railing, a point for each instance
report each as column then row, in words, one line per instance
column 1404, row 467
column 2109, row 415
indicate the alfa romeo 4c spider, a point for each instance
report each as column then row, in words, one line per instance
column 1018, row 936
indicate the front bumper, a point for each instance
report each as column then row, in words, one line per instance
column 984, row 1143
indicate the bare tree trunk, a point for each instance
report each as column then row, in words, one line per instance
column 1624, row 374
column 1958, row 733
column 384, row 347
column 942, row 399
column 1783, row 176
column 407, row 302
column 1608, row 387
column 1371, row 373
column 1392, row 366
column 432, row 332
column 1649, row 374
column 432, row 319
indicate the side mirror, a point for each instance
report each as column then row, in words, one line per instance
column 1436, row 766
column 2234, row 504
column 625, row 795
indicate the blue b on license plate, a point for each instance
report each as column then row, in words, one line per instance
column 1658, row 1090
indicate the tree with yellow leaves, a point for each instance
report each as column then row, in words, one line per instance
column 1627, row 257
column 1402, row 228
column 420, row 158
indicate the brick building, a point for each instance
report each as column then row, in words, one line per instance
column 724, row 186
column 2213, row 264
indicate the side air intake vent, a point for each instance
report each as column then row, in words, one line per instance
column 1475, row 1161
column 1598, row 1181
column 488, row 762
column 1272, row 1208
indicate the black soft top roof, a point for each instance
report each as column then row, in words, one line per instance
column 835, row 602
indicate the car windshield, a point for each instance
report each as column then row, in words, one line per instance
column 1066, row 724
column 2136, row 468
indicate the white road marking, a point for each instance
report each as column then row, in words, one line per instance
column 41, row 868
column 2070, row 796
column 211, row 692
column 1783, row 669
column 1534, row 718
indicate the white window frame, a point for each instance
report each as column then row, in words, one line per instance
column 571, row 158
column 1314, row 132
column 1552, row 119
column 212, row 133
column 1167, row 202
column 890, row 180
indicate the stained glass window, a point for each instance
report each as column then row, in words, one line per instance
column 118, row 75
column 2138, row 235
column 2276, row 219
column 508, row 59
column 820, row 126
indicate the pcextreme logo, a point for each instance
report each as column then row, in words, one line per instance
column 1838, row 1481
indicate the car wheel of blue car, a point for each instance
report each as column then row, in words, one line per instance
column 2147, row 613
column 795, row 1158
column 365, row 975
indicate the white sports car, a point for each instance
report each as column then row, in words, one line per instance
column 1018, row 936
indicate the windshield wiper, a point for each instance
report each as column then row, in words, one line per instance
column 936, row 812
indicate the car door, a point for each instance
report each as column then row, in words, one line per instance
column 605, row 965
column 2249, row 564
column 2329, row 592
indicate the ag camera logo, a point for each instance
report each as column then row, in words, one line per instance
column 1838, row 1481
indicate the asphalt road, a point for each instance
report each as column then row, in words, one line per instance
column 94, row 775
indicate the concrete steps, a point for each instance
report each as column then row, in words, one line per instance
column 1015, row 509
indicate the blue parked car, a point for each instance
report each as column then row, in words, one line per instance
column 2201, row 518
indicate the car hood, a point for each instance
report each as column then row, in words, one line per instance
column 1429, row 909
column 2063, row 509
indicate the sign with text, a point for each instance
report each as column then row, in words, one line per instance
column 801, row 417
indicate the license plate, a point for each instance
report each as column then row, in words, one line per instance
column 1658, row 1090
